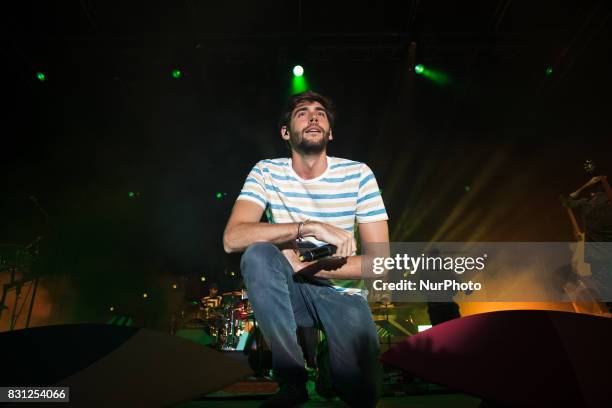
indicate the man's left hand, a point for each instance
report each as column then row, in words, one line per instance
column 296, row 264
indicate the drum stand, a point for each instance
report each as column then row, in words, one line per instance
column 231, row 341
column 16, row 310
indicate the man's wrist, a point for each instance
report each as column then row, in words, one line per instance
column 300, row 232
column 309, row 229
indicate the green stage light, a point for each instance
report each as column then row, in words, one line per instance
column 131, row 194
column 298, row 84
column 219, row 195
column 298, row 80
column 549, row 71
column 437, row 77
column 41, row 77
column 298, row 70
column 176, row 74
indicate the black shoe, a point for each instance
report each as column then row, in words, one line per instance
column 288, row 395
column 324, row 388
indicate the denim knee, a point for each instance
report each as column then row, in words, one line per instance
column 259, row 257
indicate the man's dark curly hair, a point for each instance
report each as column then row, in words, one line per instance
column 307, row 96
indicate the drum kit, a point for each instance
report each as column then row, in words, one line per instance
column 227, row 319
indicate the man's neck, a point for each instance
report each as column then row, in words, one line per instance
column 309, row 166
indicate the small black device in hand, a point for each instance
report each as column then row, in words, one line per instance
column 312, row 254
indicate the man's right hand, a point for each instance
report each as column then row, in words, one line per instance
column 343, row 240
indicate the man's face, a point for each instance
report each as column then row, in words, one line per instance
column 309, row 129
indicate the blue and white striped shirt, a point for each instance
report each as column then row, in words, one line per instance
column 345, row 194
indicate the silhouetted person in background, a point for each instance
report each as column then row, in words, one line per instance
column 213, row 299
column 595, row 210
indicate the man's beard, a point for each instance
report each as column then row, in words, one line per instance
column 306, row 146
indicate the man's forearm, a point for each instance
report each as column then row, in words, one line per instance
column 341, row 268
column 586, row 185
column 240, row 236
column 577, row 193
column 336, row 268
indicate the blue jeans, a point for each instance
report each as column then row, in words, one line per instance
column 283, row 300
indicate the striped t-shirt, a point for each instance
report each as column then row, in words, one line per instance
column 345, row 194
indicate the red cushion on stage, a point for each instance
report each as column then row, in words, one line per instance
column 519, row 358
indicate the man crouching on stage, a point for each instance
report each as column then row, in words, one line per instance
column 311, row 199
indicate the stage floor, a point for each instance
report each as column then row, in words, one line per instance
column 253, row 391
column 419, row 401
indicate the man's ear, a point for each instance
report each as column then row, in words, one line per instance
column 284, row 132
column 331, row 136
